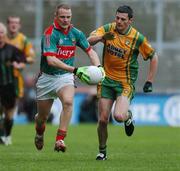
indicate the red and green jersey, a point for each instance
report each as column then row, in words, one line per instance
column 120, row 54
column 62, row 45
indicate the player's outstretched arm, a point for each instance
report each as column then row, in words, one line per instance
column 94, row 39
column 55, row 62
column 93, row 57
column 151, row 74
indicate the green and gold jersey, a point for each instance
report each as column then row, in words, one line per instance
column 22, row 42
column 120, row 54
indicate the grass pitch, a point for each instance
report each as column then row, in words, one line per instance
column 149, row 149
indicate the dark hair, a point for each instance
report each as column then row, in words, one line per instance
column 64, row 6
column 125, row 9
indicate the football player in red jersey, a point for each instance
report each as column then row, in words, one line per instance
column 57, row 67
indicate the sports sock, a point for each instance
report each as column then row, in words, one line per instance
column 1, row 126
column 40, row 127
column 129, row 114
column 8, row 124
column 40, row 130
column 61, row 134
column 128, row 120
column 103, row 150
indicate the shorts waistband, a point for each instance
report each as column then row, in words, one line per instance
column 57, row 76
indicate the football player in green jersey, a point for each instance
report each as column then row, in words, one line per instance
column 11, row 59
column 122, row 44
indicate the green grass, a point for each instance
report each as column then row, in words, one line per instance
column 149, row 149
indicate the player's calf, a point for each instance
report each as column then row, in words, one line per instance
column 39, row 137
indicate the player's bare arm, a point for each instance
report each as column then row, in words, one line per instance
column 152, row 68
column 55, row 62
column 94, row 39
column 93, row 57
column 20, row 65
column 151, row 74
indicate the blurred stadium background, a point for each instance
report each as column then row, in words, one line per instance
column 158, row 20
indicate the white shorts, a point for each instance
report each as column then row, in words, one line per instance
column 47, row 86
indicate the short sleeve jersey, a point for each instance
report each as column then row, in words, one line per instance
column 120, row 54
column 62, row 45
column 9, row 54
column 22, row 42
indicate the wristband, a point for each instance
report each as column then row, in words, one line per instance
column 75, row 70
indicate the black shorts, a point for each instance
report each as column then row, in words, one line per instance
column 8, row 96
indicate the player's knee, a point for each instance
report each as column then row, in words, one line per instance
column 41, row 117
column 68, row 104
column 103, row 123
column 103, row 119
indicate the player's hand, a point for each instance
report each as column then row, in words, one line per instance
column 102, row 70
column 18, row 65
column 81, row 73
column 30, row 60
column 109, row 36
column 147, row 87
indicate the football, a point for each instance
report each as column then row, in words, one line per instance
column 95, row 75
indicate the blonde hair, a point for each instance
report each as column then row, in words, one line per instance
column 63, row 6
column 3, row 27
column 13, row 17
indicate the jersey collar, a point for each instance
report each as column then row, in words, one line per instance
column 58, row 27
column 127, row 31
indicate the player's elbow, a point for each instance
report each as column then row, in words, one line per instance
column 51, row 61
column 155, row 57
column 91, row 40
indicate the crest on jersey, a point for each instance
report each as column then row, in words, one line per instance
column 60, row 41
column 127, row 42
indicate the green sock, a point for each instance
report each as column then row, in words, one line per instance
column 103, row 150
